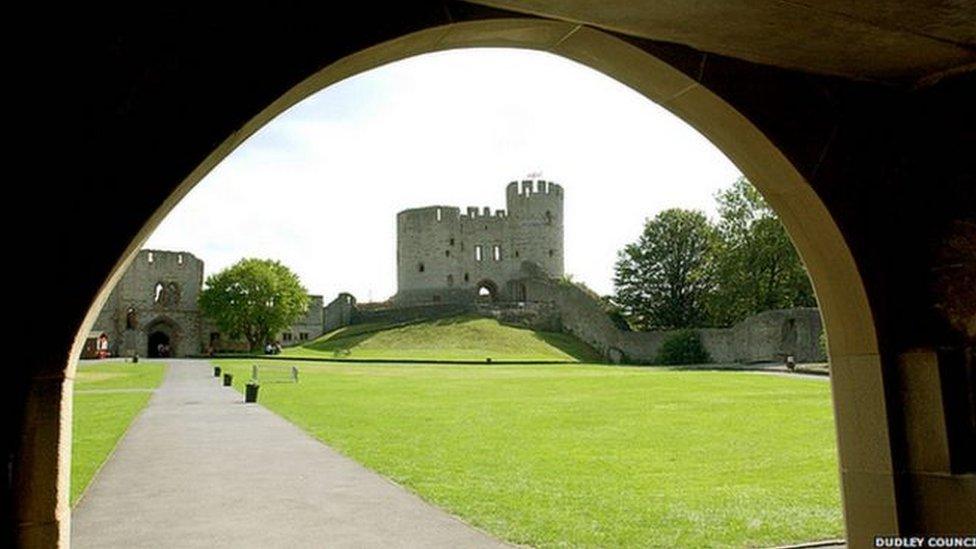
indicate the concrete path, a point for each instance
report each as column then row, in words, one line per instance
column 198, row 468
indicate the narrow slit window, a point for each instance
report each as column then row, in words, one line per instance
column 420, row 267
column 439, row 215
column 478, row 253
column 496, row 252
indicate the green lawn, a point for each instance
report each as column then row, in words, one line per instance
column 458, row 338
column 584, row 455
column 100, row 419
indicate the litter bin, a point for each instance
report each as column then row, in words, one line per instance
column 228, row 379
column 216, row 371
column 251, row 392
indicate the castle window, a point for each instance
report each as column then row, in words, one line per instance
column 447, row 253
column 286, row 336
column 551, row 253
column 439, row 216
column 303, row 336
column 420, row 267
column 450, row 280
column 466, row 277
column 158, row 291
column 131, row 322
column 150, row 257
column 548, row 217
column 436, row 298
column 496, row 252
column 516, row 253
column 179, row 258
column 451, row 241
column 477, row 253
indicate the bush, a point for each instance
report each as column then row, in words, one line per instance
column 683, row 347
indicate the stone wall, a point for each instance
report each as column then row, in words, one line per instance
column 156, row 300
column 765, row 337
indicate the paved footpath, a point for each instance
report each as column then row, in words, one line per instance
column 198, row 468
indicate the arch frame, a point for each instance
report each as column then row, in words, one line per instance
column 858, row 391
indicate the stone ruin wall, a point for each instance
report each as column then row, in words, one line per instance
column 134, row 308
column 444, row 255
column 765, row 337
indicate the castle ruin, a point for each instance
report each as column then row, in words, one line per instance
column 155, row 303
column 445, row 256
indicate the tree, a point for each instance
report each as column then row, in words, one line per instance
column 756, row 267
column 663, row 280
column 254, row 299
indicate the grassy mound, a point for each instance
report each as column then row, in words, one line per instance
column 457, row 338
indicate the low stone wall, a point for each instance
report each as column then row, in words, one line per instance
column 538, row 316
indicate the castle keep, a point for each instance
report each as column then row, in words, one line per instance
column 444, row 255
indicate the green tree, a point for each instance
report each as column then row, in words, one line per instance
column 663, row 280
column 756, row 266
column 254, row 299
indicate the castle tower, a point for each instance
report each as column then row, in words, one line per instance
column 535, row 212
column 444, row 255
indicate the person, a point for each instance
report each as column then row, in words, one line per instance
column 268, row 349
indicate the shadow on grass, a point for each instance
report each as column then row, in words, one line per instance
column 571, row 345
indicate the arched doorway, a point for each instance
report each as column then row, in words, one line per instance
column 487, row 291
column 158, row 345
column 162, row 338
column 858, row 387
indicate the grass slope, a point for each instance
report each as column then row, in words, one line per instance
column 457, row 338
column 588, row 456
column 100, row 419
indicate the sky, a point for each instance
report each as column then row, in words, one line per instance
column 318, row 187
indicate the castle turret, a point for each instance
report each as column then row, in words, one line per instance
column 535, row 210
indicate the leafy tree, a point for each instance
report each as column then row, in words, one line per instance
column 663, row 280
column 683, row 347
column 254, row 299
column 757, row 268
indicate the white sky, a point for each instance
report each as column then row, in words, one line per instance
column 319, row 187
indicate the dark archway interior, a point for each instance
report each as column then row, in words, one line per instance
column 159, row 342
column 487, row 291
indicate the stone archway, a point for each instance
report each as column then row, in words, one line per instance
column 158, row 342
column 866, row 402
column 162, row 336
column 486, row 291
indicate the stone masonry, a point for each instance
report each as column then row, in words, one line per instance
column 446, row 256
column 155, row 302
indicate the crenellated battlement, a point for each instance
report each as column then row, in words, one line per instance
column 528, row 188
